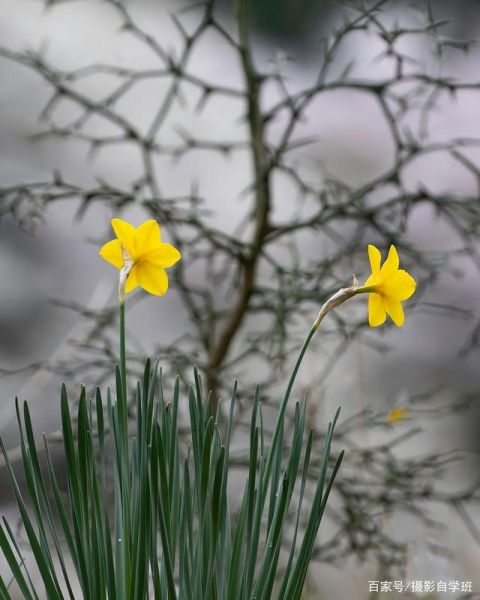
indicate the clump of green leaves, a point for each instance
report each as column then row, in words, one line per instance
column 172, row 531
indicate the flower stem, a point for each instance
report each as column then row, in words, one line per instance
column 123, row 362
column 122, row 489
column 281, row 412
column 335, row 300
column 122, row 282
column 367, row 289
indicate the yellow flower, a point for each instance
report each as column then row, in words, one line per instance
column 140, row 252
column 388, row 286
column 396, row 414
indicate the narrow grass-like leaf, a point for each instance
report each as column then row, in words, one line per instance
column 273, row 541
column 298, row 574
column 275, row 454
column 163, row 509
column 306, row 463
column 48, row 581
column 14, row 566
column 4, row 593
column 186, row 537
column 33, row 478
column 42, row 491
column 236, row 563
column 217, row 496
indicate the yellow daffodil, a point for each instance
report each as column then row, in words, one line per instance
column 397, row 414
column 388, row 286
column 141, row 256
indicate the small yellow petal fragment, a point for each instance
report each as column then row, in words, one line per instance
column 375, row 260
column 165, row 256
column 376, row 310
column 112, row 253
column 394, row 310
column 390, row 266
column 397, row 414
column 126, row 233
column 401, row 285
column 148, row 237
column 153, row 279
column 132, row 281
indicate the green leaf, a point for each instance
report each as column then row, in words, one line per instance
column 45, row 573
column 14, row 566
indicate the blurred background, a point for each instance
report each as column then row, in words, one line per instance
column 348, row 123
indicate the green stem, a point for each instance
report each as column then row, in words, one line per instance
column 123, row 409
column 367, row 289
column 281, row 413
column 123, row 527
column 123, row 361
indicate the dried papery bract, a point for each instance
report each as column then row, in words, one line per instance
column 337, row 299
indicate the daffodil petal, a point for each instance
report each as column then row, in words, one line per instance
column 401, row 285
column 397, row 414
column 391, row 264
column 376, row 310
column 153, row 279
column 375, row 260
column 126, row 233
column 148, row 237
column 132, row 281
column 394, row 309
column 163, row 257
column 112, row 253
